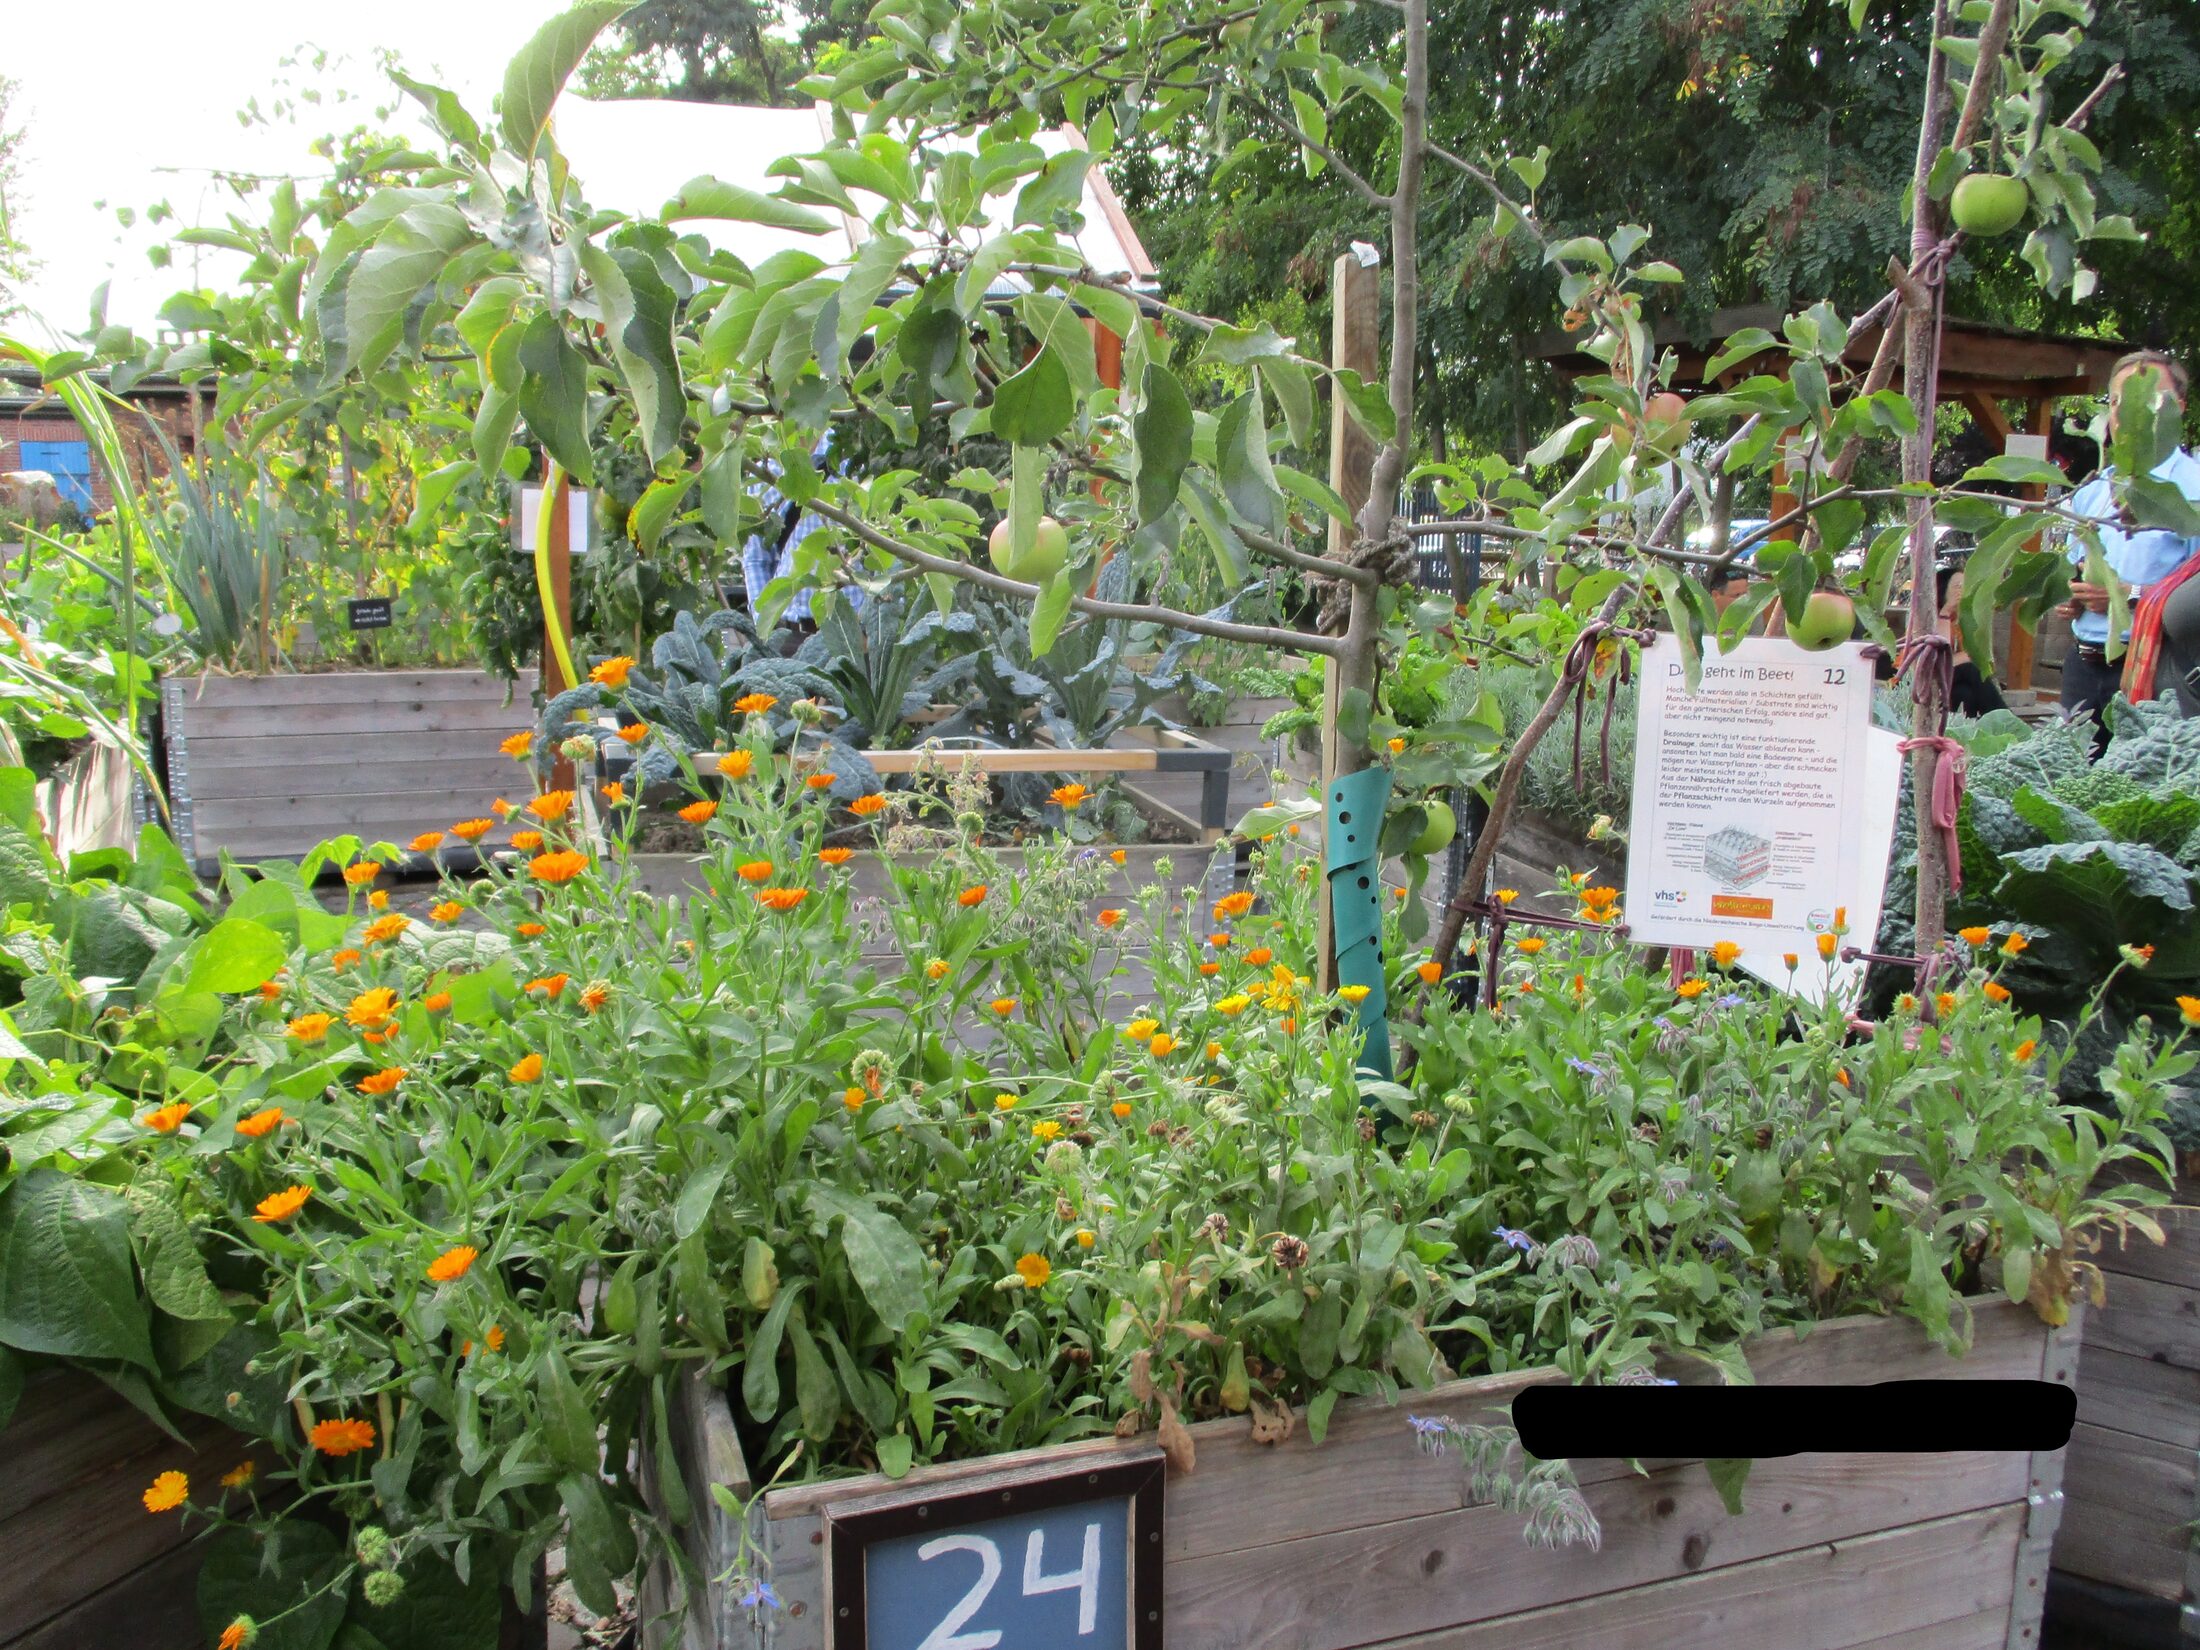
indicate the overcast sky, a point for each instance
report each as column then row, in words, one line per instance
column 132, row 102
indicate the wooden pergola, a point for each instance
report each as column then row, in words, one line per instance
column 1982, row 367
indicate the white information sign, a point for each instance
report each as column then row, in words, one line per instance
column 530, row 512
column 1763, row 803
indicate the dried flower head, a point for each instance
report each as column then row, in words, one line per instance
column 1289, row 1252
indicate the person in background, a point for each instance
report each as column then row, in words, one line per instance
column 769, row 552
column 2141, row 557
column 1972, row 694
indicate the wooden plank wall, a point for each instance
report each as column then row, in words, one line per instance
column 1363, row 1541
column 268, row 766
column 2132, row 1489
column 81, row 1561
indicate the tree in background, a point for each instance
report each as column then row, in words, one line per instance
column 16, row 262
column 1766, row 145
column 719, row 51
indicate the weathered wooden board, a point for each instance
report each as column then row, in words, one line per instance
column 268, row 766
column 2133, row 1483
column 1365, row 1541
column 1921, row 1588
column 2129, row 1500
column 77, row 1547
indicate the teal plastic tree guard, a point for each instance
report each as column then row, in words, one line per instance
column 1352, row 852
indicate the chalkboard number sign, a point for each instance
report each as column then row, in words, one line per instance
column 370, row 613
column 1057, row 1557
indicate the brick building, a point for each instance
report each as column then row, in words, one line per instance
column 38, row 432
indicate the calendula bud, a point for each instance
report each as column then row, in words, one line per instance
column 383, row 1588
column 372, row 1543
column 578, row 748
column 807, row 711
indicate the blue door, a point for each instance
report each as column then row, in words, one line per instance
column 70, row 465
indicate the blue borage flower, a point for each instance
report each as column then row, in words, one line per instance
column 1585, row 1067
column 1430, row 1433
column 1516, row 1240
column 761, row 1595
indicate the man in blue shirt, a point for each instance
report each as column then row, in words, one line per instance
column 2137, row 556
column 769, row 552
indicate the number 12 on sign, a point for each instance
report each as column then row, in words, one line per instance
column 1038, row 1560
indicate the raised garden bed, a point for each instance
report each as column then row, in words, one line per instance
column 1363, row 1540
column 2133, row 1487
column 265, row 767
column 81, row 1561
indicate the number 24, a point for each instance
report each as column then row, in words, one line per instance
column 1084, row 1580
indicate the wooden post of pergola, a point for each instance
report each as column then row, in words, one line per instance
column 1981, row 366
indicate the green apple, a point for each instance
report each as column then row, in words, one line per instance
column 1436, row 835
column 1987, row 203
column 1239, row 33
column 1048, row 555
column 1828, row 620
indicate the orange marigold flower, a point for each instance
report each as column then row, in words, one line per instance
column 1690, row 989
column 1086, row 1237
column 1907, row 1002
column 755, row 870
column 1430, row 972
column 311, row 1028
column 518, row 744
column 165, row 1119
column 1233, row 905
column 526, row 842
column 2188, row 1010
column 527, row 1070
column 634, row 732
column 473, row 830
column 1210, row 969
column 1976, row 937
column 1724, row 953
column 427, row 842
column 341, row 960
column 342, row 1437
column 370, row 1009
column 1046, row 1129
column 818, row 781
column 262, row 1122
column 1110, row 918
column 612, row 672
column 271, row 990
column 501, row 808
column 1220, row 942
column 551, row 805
column 781, row 899
column 559, row 868
column 362, row 873
column 1290, row 1024
column 863, row 807
column 1259, row 957
column 594, row 995
column 1827, row 945
column 382, row 1036
column 238, row 1634
column 1003, row 1006
column 449, row 911
column 1505, row 896
column 384, row 1081
column 1139, row 1030
column 1034, row 1270
column 936, row 969
column 1068, row 797
column 453, row 1263
column 971, row 896
column 699, row 813
column 240, row 1475
column 550, row 985
column 1397, row 746
column 1120, row 1110
column 1119, row 856
column 736, row 764
column 436, row 1001
column 495, row 1337
column 1214, row 1051
column 1944, row 1002
column 852, row 1098
column 614, row 793
column 835, row 856
column 755, row 704
column 167, row 1492
column 1788, row 957
column 379, row 900
column 1162, row 1043
column 2025, row 1050
column 1599, row 899
column 277, row 1207
column 386, row 928
column 530, row 930
column 2014, row 944
column 1532, row 944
